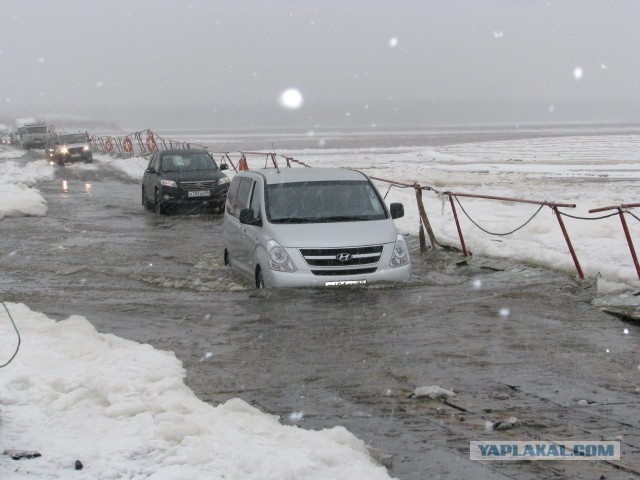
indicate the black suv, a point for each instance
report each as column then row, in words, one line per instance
column 72, row 147
column 176, row 178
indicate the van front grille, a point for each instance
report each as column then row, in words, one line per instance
column 342, row 257
column 353, row 271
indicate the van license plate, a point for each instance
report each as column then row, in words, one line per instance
column 345, row 282
column 199, row 193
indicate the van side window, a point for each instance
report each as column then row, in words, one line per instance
column 242, row 197
column 256, row 200
column 231, row 195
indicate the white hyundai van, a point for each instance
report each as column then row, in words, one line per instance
column 296, row 227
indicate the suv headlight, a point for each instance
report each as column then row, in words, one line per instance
column 400, row 255
column 279, row 259
column 223, row 180
column 64, row 150
column 86, row 148
column 168, row 183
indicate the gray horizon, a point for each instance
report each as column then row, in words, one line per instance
column 368, row 63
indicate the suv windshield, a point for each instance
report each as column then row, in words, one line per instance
column 75, row 138
column 326, row 201
column 178, row 162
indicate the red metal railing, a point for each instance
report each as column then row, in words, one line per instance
column 138, row 143
column 621, row 211
column 145, row 141
column 553, row 205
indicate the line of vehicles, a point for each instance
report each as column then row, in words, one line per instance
column 290, row 227
column 60, row 147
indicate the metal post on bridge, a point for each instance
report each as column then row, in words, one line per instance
column 625, row 228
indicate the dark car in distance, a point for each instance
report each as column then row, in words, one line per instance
column 184, row 178
column 70, row 148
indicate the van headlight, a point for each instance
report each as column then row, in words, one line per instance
column 168, row 183
column 279, row 259
column 400, row 255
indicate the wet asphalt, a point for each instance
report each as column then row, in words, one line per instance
column 509, row 340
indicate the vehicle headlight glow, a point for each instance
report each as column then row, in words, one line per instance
column 64, row 150
column 400, row 255
column 279, row 259
column 86, row 148
column 168, row 183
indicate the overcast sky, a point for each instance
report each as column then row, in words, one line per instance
column 57, row 54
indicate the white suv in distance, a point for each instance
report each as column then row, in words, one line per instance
column 297, row 227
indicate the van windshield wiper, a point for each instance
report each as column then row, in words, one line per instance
column 293, row 220
column 341, row 218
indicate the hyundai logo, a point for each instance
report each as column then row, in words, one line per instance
column 343, row 257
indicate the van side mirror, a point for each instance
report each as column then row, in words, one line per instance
column 247, row 217
column 397, row 210
column 224, row 166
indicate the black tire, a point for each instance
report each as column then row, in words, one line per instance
column 221, row 207
column 60, row 161
column 259, row 278
column 159, row 207
column 226, row 257
column 145, row 203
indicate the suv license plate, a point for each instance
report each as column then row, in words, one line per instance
column 199, row 193
column 345, row 282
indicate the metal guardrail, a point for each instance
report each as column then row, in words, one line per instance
column 622, row 209
column 138, row 143
column 145, row 141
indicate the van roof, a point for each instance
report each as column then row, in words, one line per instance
column 292, row 175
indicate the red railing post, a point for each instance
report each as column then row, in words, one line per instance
column 455, row 216
column 629, row 241
column 568, row 240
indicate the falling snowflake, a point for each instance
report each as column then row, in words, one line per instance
column 393, row 42
column 291, row 99
column 206, row 356
column 578, row 73
column 504, row 312
column 498, row 34
column 296, row 416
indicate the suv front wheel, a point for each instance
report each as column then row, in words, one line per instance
column 158, row 205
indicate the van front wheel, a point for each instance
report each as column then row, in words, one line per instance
column 259, row 278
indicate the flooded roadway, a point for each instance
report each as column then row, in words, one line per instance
column 508, row 340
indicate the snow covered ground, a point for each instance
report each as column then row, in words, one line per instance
column 75, row 394
column 121, row 408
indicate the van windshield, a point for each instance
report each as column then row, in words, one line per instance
column 322, row 202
